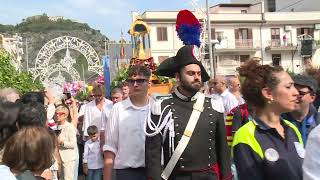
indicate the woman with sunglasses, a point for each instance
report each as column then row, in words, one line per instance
column 268, row 147
column 67, row 141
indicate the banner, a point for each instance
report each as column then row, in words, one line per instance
column 106, row 72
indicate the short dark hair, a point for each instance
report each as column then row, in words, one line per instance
column 257, row 77
column 31, row 148
column 32, row 97
column 124, row 84
column 32, row 114
column 8, row 119
column 139, row 70
column 116, row 90
column 92, row 130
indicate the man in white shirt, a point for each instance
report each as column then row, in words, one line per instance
column 125, row 89
column 116, row 96
column 95, row 108
column 124, row 147
column 216, row 99
column 234, row 87
column 220, row 87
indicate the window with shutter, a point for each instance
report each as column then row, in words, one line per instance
column 162, row 34
column 275, row 36
column 271, row 5
column 236, row 34
column 309, row 31
column 213, row 34
column 243, row 37
column 299, row 31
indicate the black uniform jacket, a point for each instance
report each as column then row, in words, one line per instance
column 207, row 149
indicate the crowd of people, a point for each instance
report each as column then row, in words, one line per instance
column 262, row 124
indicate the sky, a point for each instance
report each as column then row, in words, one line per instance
column 109, row 16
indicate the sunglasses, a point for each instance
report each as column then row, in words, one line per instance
column 95, row 95
column 138, row 81
column 302, row 93
column 60, row 113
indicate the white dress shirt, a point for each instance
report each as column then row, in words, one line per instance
column 125, row 135
column 230, row 101
column 105, row 115
column 92, row 115
column 311, row 162
column 92, row 154
column 82, row 109
column 217, row 102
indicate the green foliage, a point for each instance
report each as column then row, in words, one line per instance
column 42, row 23
column 120, row 77
column 6, row 28
column 9, row 77
column 82, row 95
column 164, row 79
column 38, row 30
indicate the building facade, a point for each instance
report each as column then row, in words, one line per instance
column 285, row 5
column 244, row 31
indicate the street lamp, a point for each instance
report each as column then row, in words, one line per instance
column 214, row 64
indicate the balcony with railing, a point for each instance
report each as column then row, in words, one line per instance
column 244, row 43
column 238, row 45
column 279, row 44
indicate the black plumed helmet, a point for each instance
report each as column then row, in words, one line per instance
column 186, row 55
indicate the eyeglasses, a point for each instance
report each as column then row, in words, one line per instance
column 60, row 113
column 303, row 93
column 138, row 81
column 95, row 95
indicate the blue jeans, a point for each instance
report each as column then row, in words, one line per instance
column 94, row 174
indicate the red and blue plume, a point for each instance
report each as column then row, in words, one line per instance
column 188, row 28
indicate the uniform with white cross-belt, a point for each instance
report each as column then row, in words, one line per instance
column 206, row 156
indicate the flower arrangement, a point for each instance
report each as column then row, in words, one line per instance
column 74, row 87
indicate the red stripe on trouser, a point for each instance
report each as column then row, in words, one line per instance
column 229, row 130
column 216, row 170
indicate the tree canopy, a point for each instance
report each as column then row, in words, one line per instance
column 9, row 77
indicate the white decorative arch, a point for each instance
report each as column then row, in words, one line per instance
column 57, row 67
column 43, row 69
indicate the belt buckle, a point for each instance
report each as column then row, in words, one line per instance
column 187, row 133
